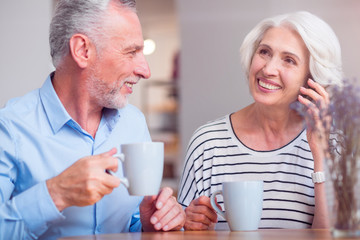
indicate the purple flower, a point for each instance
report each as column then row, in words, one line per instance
column 341, row 122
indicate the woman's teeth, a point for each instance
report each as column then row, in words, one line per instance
column 268, row 86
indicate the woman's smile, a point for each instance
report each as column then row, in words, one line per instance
column 267, row 85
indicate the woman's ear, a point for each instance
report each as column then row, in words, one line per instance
column 80, row 49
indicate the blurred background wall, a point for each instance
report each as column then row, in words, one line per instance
column 207, row 83
column 24, row 47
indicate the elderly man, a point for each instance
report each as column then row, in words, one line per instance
column 58, row 141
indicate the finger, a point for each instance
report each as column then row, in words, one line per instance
column 148, row 204
column 203, row 200
column 93, row 173
column 306, row 102
column 109, row 153
column 100, row 189
column 163, row 215
column 149, row 200
column 200, row 218
column 176, row 222
column 107, row 162
column 90, row 192
column 203, row 206
column 316, row 92
column 314, row 117
column 201, row 213
column 111, row 181
column 112, row 166
column 312, row 94
column 103, row 162
column 217, row 204
column 191, row 225
column 175, row 216
column 320, row 89
column 166, row 218
column 312, row 109
column 163, row 197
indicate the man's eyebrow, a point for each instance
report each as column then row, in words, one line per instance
column 134, row 47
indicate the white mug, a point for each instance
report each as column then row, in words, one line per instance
column 143, row 167
column 243, row 204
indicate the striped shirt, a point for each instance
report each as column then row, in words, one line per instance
column 215, row 155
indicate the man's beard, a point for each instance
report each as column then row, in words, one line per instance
column 106, row 95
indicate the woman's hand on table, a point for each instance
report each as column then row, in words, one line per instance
column 161, row 212
column 200, row 215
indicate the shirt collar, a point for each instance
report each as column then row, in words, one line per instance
column 57, row 114
column 55, row 111
column 111, row 117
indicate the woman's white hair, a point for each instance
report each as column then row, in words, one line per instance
column 325, row 53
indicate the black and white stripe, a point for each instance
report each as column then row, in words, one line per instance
column 215, row 155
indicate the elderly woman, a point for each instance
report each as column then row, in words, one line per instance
column 286, row 58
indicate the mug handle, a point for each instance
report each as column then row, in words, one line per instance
column 123, row 180
column 213, row 204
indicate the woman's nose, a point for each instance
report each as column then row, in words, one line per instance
column 271, row 67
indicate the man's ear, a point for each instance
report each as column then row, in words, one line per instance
column 80, row 49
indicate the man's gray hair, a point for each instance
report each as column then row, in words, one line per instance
column 79, row 16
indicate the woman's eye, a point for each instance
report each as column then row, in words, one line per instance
column 290, row 61
column 264, row 52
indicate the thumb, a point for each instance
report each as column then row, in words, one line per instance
column 111, row 167
column 110, row 152
column 149, row 200
column 147, row 205
column 217, row 204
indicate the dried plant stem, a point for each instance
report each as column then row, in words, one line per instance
column 344, row 172
column 346, row 205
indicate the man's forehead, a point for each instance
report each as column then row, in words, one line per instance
column 124, row 25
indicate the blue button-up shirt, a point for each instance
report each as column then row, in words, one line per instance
column 39, row 140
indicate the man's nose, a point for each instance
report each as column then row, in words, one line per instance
column 142, row 69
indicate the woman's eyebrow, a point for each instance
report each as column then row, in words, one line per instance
column 285, row 52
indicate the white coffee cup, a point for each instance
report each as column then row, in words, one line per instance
column 243, row 204
column 143, row 165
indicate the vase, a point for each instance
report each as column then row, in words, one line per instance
column 343, row 195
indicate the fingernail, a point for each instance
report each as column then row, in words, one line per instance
column 158, row 226
column 153, row 220
column 166, row 227
column 159, row 205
